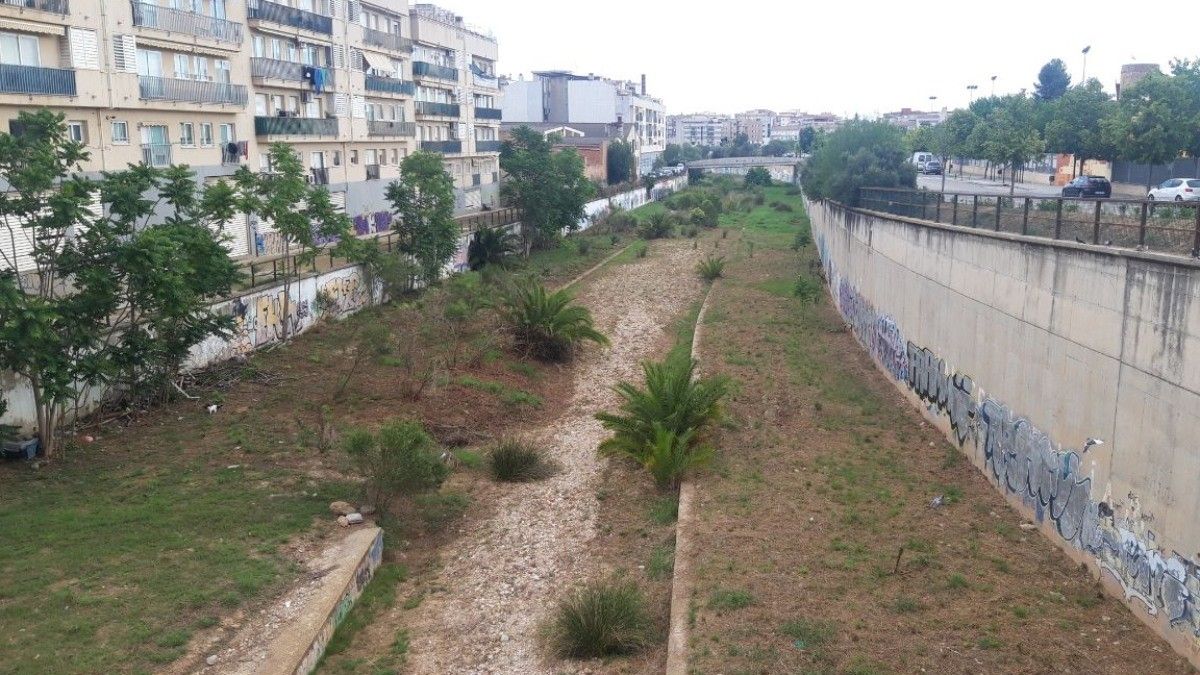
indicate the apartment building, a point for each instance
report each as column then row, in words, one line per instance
column 907, row 118
column 210, row 83
column 756, row 124
column 705, row 129
column 560, row 97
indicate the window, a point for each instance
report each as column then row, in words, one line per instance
column 19, row 50
column 149, row 63
column 395, row 156
column 120, row 132
column 187, row 134
column 337, row 157
column 256, row 43
column 294, row 105
column 223, row 71
column 183, row 67
column 369, row 157
column 277, row 104
column 227, row 135
column 77, row 131
column 218, row 9
column 354, row 157
column 206, row 134
column 383, row 156
column 260, row 105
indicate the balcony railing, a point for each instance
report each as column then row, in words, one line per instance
column 487, row 146
column 424, row 69
column 33, row 80
column 445, row 147
column 231, row 153
column 389, row 84
column 289, row 16
column 487, row 113
column 438, row 109
column 286, row 70
column 156, row 154
column 52, row 6
column 319, row 176
column 372, row 172
column 190, row 23
column 295, row 126
column 192, row 91
column 487, row 81
column 388, row 128
column 379, row 38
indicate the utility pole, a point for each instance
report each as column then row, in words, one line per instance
column 1083, row 80
column 971, row 93
column 994, row 84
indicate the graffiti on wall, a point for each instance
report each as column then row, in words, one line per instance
column 362, row 576
column 1025, row 462
column 597, row 209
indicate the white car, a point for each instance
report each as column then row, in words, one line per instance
column 1176, row 190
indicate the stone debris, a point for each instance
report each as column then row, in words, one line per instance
column 354, row 518
column 342, row 508
column 343, row 521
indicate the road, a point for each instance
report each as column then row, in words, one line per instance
column 986, row 187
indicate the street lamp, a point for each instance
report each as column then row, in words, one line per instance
column 971, row 92
column 1083, row 80
column 994, row 84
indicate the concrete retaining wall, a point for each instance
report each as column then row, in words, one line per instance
column 1069, row 374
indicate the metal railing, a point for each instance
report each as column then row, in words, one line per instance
column 1164, row 227
column 372, row 171
column 319, row 176
column 487, row 113
column 192, row 91
column 426, row 69
column 156, row 154
column 437, row 109
column 379, row 38
column 285, row 70
column 295, row 126
column 389, row 128
column 445, row 147
column 389, row 84
column 231, row 153
column 289, row 16
column 488, row 81
column 34, row 80
column 52, row 6
column 487, row 146
column 191, row 23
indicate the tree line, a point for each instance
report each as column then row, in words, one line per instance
column 740, row 146
column 113, row 299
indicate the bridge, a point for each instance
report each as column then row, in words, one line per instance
column 782, row 169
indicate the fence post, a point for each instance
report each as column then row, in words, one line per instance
column 1058, row 219
column 954, row 217
column 252, row 274
column 999, row 203
column 1096, row 225
column 923, row 200
column 1142, row 226
column 1196, row 241
column 974, row 210
column 1025, row 218
column 937, row 210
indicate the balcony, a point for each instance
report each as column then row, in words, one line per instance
column 318, row 176
column 286, row 70
column 378, row 38
column 487, row 113
column 52, row 6
column 295, row 126
column 372, row 172
column 231, row 153
column 485, row 81
column 423, row 69
column 34, row 80
column 444, row 147
column 389, row 85
column 289, row 16
column 487, row 146
column 387, row 128
column 156, row 154
column 190, row 91
column 188, row 23
column 429, row 108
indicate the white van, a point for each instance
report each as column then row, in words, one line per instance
column 919, row 159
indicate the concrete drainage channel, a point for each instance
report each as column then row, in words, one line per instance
column 683, row 579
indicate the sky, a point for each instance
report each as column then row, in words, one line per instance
column 866, row 57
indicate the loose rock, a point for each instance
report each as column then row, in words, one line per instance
column 341, row 508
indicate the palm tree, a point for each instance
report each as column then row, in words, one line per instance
column 547, row 325
column 490, row 246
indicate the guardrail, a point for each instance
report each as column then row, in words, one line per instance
column 487, row 113
column 156, row 154
column 445, row 147
column 190, row 91
column 390, row 85
column 379, row 38
column 52, row 6
column 289, row 16
column 426, row 69
column 295, row 126
column 191, row 23
column 389, row 128
column 437, row 109
column 1164, row 227
column 34, row 80
column 286, row 70
column 488, row 146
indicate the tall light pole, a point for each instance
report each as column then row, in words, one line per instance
column 994, row 84
column 1083, row 80
column 971, row 92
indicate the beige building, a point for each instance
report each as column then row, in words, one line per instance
column 352, row 86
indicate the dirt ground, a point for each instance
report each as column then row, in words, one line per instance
column 825, row 475
column 482, row 607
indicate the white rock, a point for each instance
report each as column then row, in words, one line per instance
column 211, row 660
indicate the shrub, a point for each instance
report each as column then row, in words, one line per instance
column 758, row 176
column 401, row 460
column 620, row 220
column 546, row 325
column 490, row 246
column 802, row 239
column 807, row 289
column 697, row 217
column 691, row 233
column 711, row 268
column 583, row 246
column 640, row 249
column 661, row 426
column 514, row 462
column 793, row 192
column 860, row 153
column 759, row 199
column 656, row 226
column 601, row 620
column 782, row 207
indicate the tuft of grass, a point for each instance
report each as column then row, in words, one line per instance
column 711, row 268
column 664, row 510
column 509, row 395
column 724, row 600
column 513, row 462
column 957, row 582
column 807, row 289
column 809, row 633
column 662, row 562
column 469, row 458
column 601, row 619
column 905, row 605
column 990, row 642
column 379, row 595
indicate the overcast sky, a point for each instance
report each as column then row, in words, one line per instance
column 865, row 57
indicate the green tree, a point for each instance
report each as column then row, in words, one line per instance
column 1187, row 74
column 952, row 137
column 1075, row 119
column 778, row 148
column 920, row 139
column 302, row 214
column 620, row 162
column 758, row 176
column 1150, row 122
column 402, row 460
column 860, row 153
column 807, row 140
column 1053, row 81
column 423, row 202
column 1008, row 135
column 549, row 188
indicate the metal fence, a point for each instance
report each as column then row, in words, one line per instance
column 438, row 109
column 1164, row 227
column 289, row 16
column 193, row 91
column 390, row 128
column 190, row 23
column 390, row 85
column 34, row 80
column 445, row 147
column 425, row 69
column 386, row 40
column 296, row 126
column 53, row 6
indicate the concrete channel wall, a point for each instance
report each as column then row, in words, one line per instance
column 1069, row 374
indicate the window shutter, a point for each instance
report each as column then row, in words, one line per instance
column 85, row 51
column 356, row 59
column 359, row 109
column 339, row 56
column 124, row 54
column 340, row 108
column 353, row 11
column 336, row 7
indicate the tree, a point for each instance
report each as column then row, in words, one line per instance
column 549, row 188
column 1008, row 135
column 302, row 214
column 489, row 246
column 1074, row 124
column 860, row 153
column 920, row 139
column 778, row 148
column 758, row 176
column 1150, row 122
column 807, row 140
column 951, row 138
column 401, row 460
column 423, row 202
column 620, row 162
column 1053, row 81
column 1187, row 74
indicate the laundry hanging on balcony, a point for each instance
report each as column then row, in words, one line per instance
column 316, row 77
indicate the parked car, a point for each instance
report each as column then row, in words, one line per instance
column 920, row 158
column 1176, row 189
column 1088, row 186
column 933, row 167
